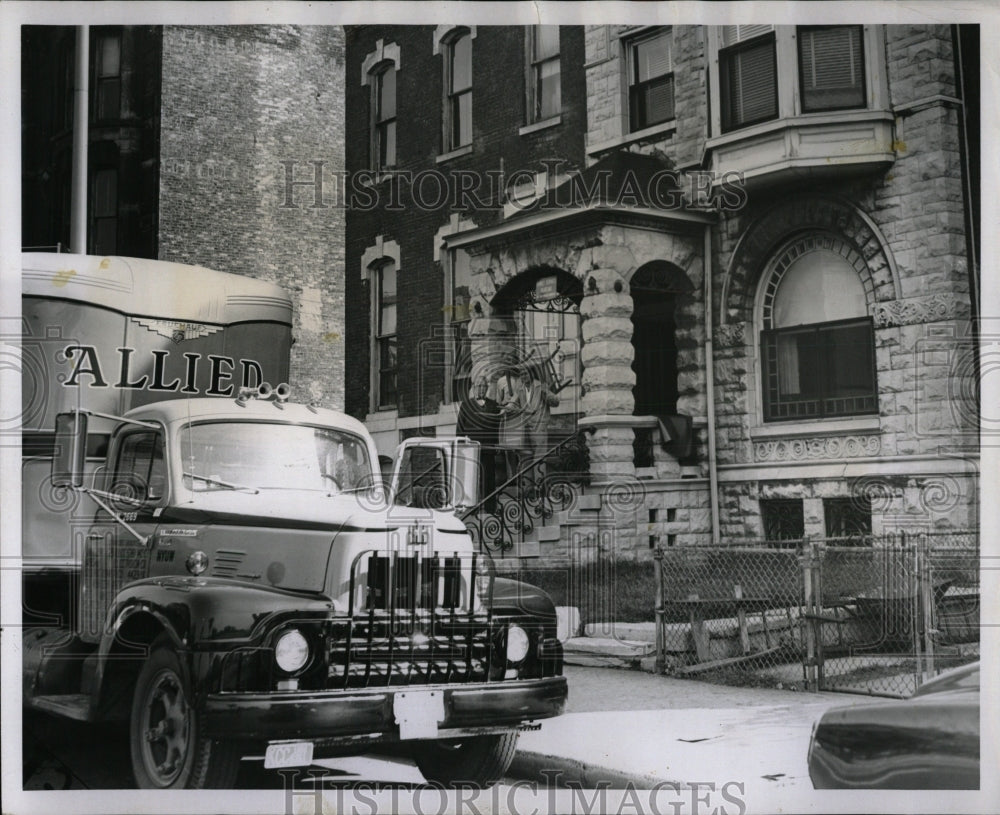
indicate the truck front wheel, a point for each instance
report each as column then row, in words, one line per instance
column 167, row 750
column 478, row 761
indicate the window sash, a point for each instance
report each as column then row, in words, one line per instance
column 748, row 75
column 461, row 119
column 831, row 67
column 107, row 77
column 818, row 371
column 651, row 80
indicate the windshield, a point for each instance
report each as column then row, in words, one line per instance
column 267, row 455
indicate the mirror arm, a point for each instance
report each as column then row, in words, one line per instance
column 96, row 496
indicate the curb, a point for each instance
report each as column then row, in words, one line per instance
column 540, row 768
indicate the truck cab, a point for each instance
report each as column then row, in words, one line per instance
column 244, row 584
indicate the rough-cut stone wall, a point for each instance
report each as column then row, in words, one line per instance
column 607, row 93
column 238, row 101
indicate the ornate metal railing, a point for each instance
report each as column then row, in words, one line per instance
column 531, row 496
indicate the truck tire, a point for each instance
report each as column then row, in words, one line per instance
column 478, row 761
column 166, row 748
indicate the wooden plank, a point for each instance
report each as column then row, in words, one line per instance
column 699, row 632
column 721, row 663
column 741, row 616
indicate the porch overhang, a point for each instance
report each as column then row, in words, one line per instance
column 539, row 224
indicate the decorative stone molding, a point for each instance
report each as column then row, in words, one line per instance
column 444, row 30
column 382, row 52
column 916, row 310
column 730, row 334
column 378, row 250
column 807, row 212
column 828, row 447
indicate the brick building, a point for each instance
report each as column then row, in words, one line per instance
column 190, row 134
column 764, row 248
column 442, row 120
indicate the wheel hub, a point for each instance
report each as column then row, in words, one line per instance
column 166, row 737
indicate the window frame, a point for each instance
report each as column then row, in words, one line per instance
column 773, row 507
column 452, row 96
column 799, row 64
column 457, row 326
column 533, row 78
column 838, row 509
column 634, row 86
column 771, row 396
column 122, row 444
column 382, row 339
column 380, row 125
column 725, row 107
column 103, row 84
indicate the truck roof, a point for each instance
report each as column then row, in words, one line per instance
column 207, row 408
column 156, row 288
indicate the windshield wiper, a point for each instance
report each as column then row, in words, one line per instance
column 227, row 484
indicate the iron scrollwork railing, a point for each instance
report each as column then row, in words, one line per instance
column 531, row 496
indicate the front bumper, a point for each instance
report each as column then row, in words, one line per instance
column 368, row 712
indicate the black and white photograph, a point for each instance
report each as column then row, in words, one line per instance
column 521, row 408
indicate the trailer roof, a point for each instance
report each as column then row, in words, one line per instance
column 154, row 288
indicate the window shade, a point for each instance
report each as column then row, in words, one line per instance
column 750, row 87
column 831, row 64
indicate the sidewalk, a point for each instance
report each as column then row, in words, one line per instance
column 627, row 727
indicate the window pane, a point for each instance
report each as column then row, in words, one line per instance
column 732, row 34
column 109, row 49
column 108, row 98
column 387, row 300
column 387, row 144
column 750, row 88
column 652, row 57
column 782, row 519
column 461, row 120
column 547, row 92
column 105, row 236
column 820, row 286
column 105, row 193
column 848, row 518
column 386, row 95
column 461, row 63
column 831, row 64
column 546, row 41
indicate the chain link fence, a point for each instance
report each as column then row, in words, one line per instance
column 874, row 615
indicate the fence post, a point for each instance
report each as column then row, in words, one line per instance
column 926, row 606
column 661, row 646
column 808, row 572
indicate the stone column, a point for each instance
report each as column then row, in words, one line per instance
column 608, row 377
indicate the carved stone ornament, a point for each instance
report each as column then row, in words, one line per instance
column 822, row 448
column 730, row 334
column 916, row 310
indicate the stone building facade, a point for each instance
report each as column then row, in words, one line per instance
column 197, row 128
column 769, row 251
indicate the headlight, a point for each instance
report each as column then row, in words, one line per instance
column 196, row 562
column 517, row 643
column 483, row 576
column 291, row 651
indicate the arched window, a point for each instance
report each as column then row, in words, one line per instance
column 817, row 341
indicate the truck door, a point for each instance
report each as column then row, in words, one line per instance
column 436, row 473
column 119, row 545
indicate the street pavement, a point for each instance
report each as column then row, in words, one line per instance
column 622, row 728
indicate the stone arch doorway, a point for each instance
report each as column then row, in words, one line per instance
column 540, row 309
column 654, row 288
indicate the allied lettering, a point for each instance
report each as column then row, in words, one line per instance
column 139, row 384
column 159, row 361
column 248, row 366
column 218, row 376
column 190, row 373
column 86, row 364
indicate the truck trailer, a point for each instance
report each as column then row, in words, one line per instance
column 222, row 567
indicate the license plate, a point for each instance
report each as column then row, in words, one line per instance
column 288, row 754
column 418, row 713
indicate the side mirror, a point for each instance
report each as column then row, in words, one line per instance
column 70, row 450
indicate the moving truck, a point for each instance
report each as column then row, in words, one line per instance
column 222, row 568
